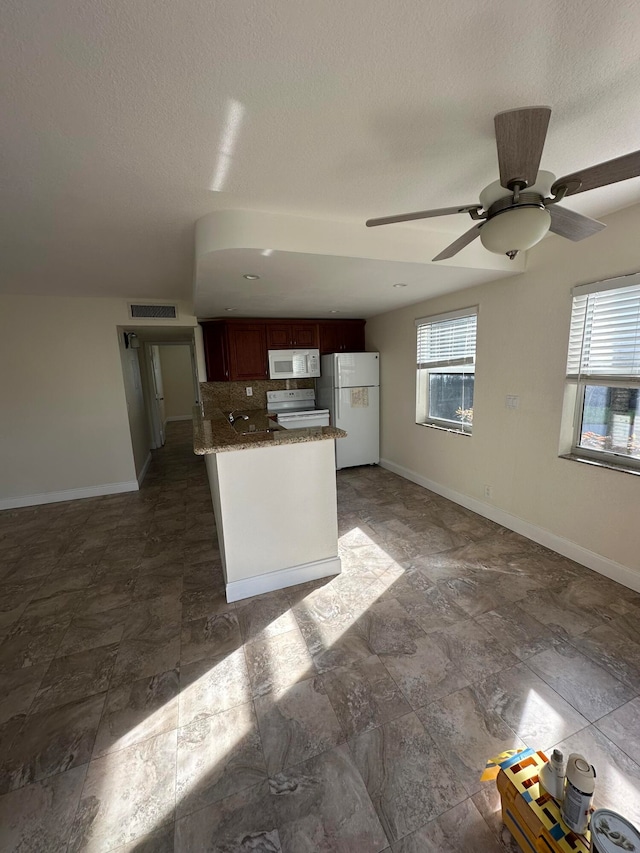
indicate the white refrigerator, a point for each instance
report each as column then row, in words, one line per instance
column 349, row 386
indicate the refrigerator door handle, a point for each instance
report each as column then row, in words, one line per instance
column 339, row 386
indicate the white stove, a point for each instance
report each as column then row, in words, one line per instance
column 296, row 409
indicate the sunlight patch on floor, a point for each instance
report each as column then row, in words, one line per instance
column 197, row 765
column 536, row 708
column 368, row 571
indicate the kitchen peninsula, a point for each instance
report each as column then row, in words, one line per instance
column 274, row 499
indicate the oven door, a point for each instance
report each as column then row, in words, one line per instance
column 301, row 420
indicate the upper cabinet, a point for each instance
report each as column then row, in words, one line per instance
column 247, row 351
column 216, row 350
column 341, row 336
column 298, row 335
column 236, row 350
column 305, row 335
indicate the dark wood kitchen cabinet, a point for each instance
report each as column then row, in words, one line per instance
column 235, row 350
column 341, row 336
column 216, row 351
column 292, row 335
column 247, row 351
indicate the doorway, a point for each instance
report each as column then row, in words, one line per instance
column 157, row 414
column 161, row 384
column 173, row 384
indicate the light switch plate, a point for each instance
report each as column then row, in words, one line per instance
column 512, row 401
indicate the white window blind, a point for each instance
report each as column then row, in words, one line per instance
column 604, row 340
column 447, row 339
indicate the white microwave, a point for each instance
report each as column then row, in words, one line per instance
column 294, row 363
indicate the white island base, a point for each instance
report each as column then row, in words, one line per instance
column 276, row 514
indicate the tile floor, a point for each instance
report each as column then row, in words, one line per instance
column 141, row 712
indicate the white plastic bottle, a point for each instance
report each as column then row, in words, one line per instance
column 578, row 793
column 552, row 775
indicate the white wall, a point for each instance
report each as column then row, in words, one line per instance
column 270, row 485
column 63, row 417
column 588, row 512
column 177, row 380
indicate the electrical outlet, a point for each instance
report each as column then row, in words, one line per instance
column 249, row 391
column 488, row 492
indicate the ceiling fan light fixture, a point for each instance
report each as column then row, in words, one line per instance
column 515, row 229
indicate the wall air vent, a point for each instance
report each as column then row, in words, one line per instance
column 153, row 312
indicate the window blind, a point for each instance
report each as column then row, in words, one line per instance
column 604, row 339
column 447, row 339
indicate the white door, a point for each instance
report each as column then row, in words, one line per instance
column 158, row 395
column 357, row 368
column 357, row 411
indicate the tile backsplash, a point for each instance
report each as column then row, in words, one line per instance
column 229, row 396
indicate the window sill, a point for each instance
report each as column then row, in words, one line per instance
column 444, row 429
column 600, row 463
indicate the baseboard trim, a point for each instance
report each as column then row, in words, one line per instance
column 145, row 468
column 179, row 418
column 237, row 590
column 69, row 495
column 603, row 565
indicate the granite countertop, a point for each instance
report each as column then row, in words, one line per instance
column 212, row 432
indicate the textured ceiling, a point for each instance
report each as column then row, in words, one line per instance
column 124, row 122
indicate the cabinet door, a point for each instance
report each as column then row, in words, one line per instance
column 247, row 351
column 352, row 336
column 305, row 335
column 279, row 336
column 216, row 354
column 329, row 334
column 341, row 336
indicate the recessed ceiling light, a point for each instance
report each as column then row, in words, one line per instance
column 230, row 309
column 251, row 277
column 267, row 253
column 399, row 285
column 334, row 312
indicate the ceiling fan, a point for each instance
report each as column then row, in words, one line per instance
column 517, row 211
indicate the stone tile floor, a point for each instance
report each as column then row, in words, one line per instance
column 141, row 712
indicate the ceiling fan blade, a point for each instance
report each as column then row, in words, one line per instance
column 520, row 136
column 574, row 226
column 421, row 214
column 610, row 172
column 453, row 249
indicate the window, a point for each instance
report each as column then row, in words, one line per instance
column 446, row 355
column 603, row 368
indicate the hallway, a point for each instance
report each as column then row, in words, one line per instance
column 141, row 712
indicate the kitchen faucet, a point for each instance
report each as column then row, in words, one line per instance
column 233, row 418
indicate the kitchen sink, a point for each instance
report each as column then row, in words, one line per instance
column 252, row 422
